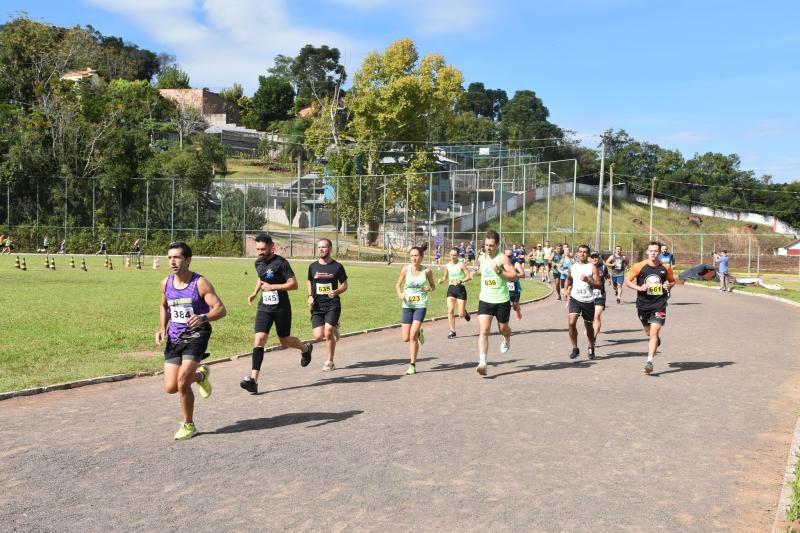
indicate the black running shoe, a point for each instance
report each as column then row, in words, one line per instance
column 305, row 357
column 591, row 352
column 575, row 353
column 250, row 385
column 451, row 335
column 466, row 315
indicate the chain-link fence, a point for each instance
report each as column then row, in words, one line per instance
column 370, row 217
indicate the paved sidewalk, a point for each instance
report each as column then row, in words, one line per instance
column 541, row 444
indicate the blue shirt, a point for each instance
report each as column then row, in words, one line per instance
column 665, row 258
column 723, row 264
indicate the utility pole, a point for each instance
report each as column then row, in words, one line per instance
column 610, row 206
column 547, row 226
column 652, row 193
column 600, row 195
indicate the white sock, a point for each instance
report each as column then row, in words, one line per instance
column 649, row 358
column 482, row 359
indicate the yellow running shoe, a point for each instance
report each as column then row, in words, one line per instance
column 187, row 431
column 204, row 385
column 411, row 370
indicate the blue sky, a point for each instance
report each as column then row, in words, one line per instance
column 697, row 76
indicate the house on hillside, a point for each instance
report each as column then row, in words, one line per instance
column 210, row 104
column 793, row 248
column 87, row 74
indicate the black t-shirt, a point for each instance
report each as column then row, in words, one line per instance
column 654, row 298
column 274, row 271
column 602, row 269
column 325, row 278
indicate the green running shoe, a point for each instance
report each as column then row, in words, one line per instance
column 411, row 370
column 421, row 337
column 204, row 385
column 187, row 431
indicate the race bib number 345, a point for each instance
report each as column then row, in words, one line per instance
column 269, row 297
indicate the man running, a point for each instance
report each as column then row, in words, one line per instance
column 411, row 288
column 548, row 261
column 326, row 281
column 188, row 305
column 515, row 292
column 666, row 257
column 555, row 261
column 617, row 263
column 471, row 253
column 494, row 302
column 578, row 286
column 599, row 293
column 652, row 280
column 275, row 279
column 457, row 274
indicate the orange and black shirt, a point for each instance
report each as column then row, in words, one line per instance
column 655, row 297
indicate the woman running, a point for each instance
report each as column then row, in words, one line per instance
column 564, row 265
column 558, row 253
column 411, row 289
column 458, row 274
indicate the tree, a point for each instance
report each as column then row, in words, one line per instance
column 525, row 123
column 316, row 73
column 173, row 78
column 477, row 101
column 187, row 120
column 282, row 68
column 467, row 127
column 272, row 101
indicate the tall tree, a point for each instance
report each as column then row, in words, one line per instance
column 525, row 123
column 173, row 78
column 272, row 100
column 316, row 73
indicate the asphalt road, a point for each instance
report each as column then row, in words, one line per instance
column 540, row 444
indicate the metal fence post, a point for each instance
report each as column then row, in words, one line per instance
column 430, row 209
column 358, row 224
column 147, row 211
column 244, row 221
column 749, row 253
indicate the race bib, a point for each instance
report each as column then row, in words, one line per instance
column 414, row 298
column 269, row 297
column 657, row 290
column 582, row 291
column 597, row 294
column 180, row 313
column 490, row 282
column 511, row 285
column 324, row 288
column 618, row 264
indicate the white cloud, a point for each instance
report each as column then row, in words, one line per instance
column 774, row 127
column 219, row 42
column 686, row 136
column 430, row 17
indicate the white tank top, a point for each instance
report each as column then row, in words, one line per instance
column 581, row 290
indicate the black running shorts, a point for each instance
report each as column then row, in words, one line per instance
column 514, row 296
column 585, row 309
column 193, row 350
column 655, row 316
column 459, row 292
column 500, row 311
column 282, row 320
column 600, row 301
column 320, row 317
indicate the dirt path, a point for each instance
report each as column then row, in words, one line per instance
column 541, row 444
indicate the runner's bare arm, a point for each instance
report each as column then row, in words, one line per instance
column 508, row 271
column 399, row 285
column 468, row 273
column 163, row 315
column 630, row 281
column 310, row 292
column 216, row 309
column 610, row 261
column 446, row 275
column 595, row 282
column 290, row 285
column 251, row 297
column 431, row 282
column 342, row 288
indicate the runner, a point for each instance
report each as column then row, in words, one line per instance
column 652, row 280
column 579, row 284
column 496, row 269
column 326, row 281
column 411, row 289
column 599, row 293
column 563, row 266
column 618, row 264
column 548, row 262
column 514, row 292
column 103, row 248
column 471, row 253
column 558, row 253
column 188, row 304
column 275, row 278
column 457, row 273
column 538, row 261
column 666, row 256
column 437, row 260
column 462, row 250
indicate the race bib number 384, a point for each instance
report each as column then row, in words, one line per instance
column 180, row 313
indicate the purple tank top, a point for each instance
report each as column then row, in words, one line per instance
column 183, row 303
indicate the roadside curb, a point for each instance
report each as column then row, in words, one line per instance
column 767, row 296
column 781, row 524
column 122, row 377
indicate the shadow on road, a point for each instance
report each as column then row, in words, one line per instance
column 288, row 419
column 548, row 366
column 682, row 366
column 612, row 331
column 615, row 342
column 356, row 378
column 520, row 332
column 685, row 303
column 385, row 362
column 444, row 367
column 613, row 355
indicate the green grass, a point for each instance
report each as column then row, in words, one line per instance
column 792, row 291
column 793, row 510
column 241, row 170
column 68, row 324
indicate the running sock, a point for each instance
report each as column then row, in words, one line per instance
column 482, row 359
column 649, row 358
column 258, row 357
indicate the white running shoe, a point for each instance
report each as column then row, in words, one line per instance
column 505, row 346
column 328, row 366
